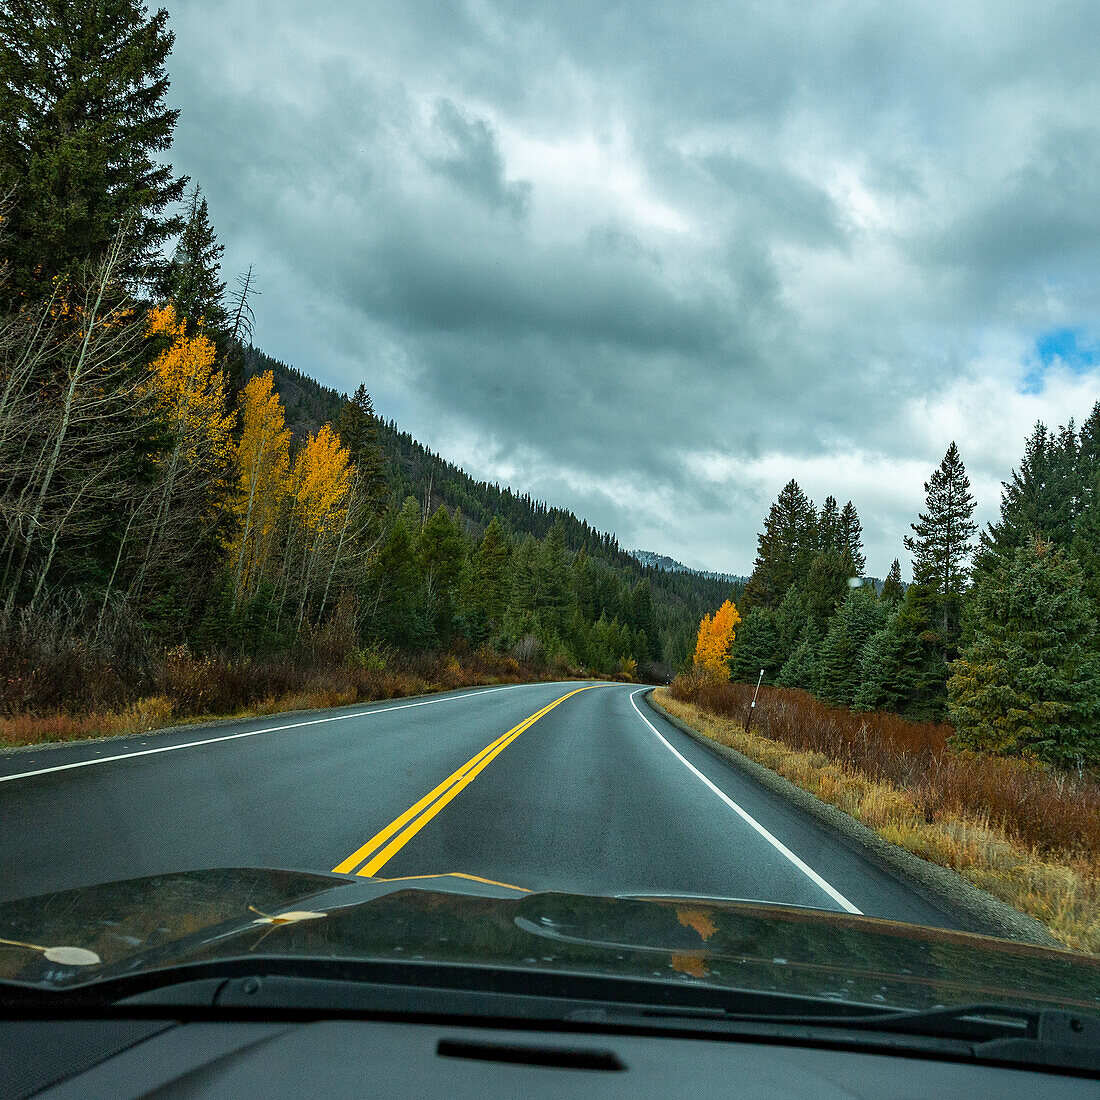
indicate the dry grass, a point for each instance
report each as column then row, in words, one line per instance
column 1033, row 806
column 911, row 789
column 191, row 689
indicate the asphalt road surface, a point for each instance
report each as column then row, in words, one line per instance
column 566, row 786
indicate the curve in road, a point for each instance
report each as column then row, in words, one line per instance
column 570, row 786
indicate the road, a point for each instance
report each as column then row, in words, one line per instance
column 568, row 786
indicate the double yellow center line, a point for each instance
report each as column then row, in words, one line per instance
column 381, row 847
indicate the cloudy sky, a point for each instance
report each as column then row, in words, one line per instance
column 650, row 261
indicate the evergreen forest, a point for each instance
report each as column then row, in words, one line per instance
column 996, row 634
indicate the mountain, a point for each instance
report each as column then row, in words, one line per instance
column 671, row 565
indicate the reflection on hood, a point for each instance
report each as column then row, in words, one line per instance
column 76, row 936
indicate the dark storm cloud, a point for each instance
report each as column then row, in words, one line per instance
column 475, row 163
column 1047, row 211
column 650, row 261
column 452, row 283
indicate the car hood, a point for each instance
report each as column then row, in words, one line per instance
column 75, row 937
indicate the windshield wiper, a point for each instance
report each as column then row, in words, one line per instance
column 991, row 1032
column 1003, row 1032
column 988, row 1032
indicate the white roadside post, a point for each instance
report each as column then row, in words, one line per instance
column 752, row 705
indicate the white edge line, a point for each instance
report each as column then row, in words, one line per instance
column 779, row 846
column 250, row 733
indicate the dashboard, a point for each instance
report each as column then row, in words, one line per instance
column 355, row 1057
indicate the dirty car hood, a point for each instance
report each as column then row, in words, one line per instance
column 69, row 939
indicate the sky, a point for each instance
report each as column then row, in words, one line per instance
column 651, row 261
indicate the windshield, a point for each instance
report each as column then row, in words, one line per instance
column 553, row 487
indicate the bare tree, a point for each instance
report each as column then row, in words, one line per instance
column 242, row 315
column 79, row 415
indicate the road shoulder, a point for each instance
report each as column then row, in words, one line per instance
column 22, row 761
column 203, row 722
column 939, row 885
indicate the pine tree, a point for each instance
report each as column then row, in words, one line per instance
column 902, row 668
column 829, row 536
column 892, row 588
column 1034, row 501
column 442, row 552
column 840, row 656
column 358, row 428
column 583, row 586
column 851, row 535
column 644, row 622
column 1070, row 483
column 1086, row 531
column 519, row 616
column 193, row 278
column 942, row 546
column 550, row 579
column 1085, row 548
column 876, row 666
column 1029, row 680
column 1088, row 454
column 601, row 652
column 785, row 548
column 800, row 670
column 824, row 586
column 413, row 516
column 794, row 613
column 487, row 593
column 83, row 127
column 393, row 605
column 756, row 647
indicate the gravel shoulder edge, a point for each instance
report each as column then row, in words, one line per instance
column 939, row 885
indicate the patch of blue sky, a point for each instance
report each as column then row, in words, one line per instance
column 1073, row 349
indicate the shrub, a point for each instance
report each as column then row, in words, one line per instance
column 1034, row 805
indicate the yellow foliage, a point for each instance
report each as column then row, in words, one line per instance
column 322, row 479
column 190, row 391
column 716, row 634
column 263, row 469
column 627, row 667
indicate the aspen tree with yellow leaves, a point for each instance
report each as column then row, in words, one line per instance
column 321, row 481
column 263, row 470
column 715, row 639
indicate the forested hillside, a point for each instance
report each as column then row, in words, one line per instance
column 411, row 470
column 663, row 561
column 176, row 509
